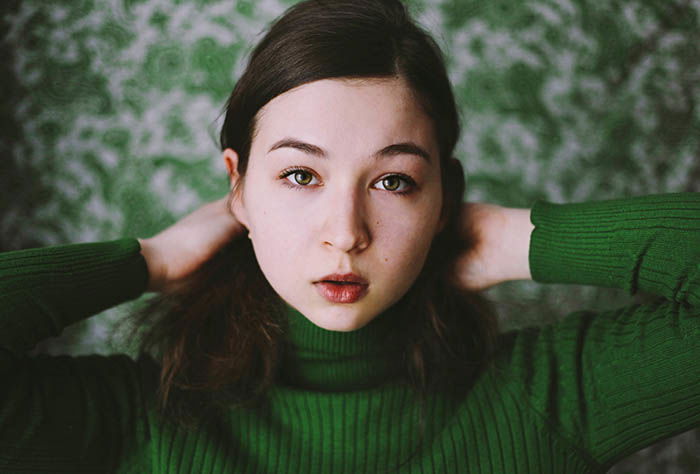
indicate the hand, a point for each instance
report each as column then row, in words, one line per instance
column 500, row 250
column 180, row 249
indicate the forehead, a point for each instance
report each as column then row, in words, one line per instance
column 359, row 113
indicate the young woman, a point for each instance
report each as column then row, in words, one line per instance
column 325, row 316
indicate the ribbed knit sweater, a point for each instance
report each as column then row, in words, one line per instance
column 575, row 396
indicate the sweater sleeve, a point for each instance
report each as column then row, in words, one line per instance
column 64, row 413
column 614, row 382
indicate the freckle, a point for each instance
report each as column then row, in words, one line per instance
column 386, row 259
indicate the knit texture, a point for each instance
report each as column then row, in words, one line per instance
column 575, row 396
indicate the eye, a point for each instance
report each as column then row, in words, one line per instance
column 295, row 173
column 391, row 182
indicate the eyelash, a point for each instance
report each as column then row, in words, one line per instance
column 289, row 171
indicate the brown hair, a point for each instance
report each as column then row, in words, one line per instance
column 220, row 334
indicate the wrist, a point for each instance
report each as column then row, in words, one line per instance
column 150, row 254
column 515, row 244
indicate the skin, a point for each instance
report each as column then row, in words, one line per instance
column 343, row 215
column 500, row 252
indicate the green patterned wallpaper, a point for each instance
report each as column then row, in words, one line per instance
column 110, row 112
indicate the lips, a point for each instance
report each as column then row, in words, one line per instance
column 346, row 292
column 343, row 279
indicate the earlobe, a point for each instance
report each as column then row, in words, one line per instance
column 239, row 212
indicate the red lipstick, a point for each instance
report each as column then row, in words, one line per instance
column 342, row 288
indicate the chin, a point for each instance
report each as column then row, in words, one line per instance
column 340, row 323
column 339, row 326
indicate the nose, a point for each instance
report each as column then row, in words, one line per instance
column 345, row 227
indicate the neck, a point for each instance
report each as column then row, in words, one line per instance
column 319, row 359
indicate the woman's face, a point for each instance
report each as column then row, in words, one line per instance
column 343, row 209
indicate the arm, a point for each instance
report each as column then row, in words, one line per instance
column 44, row 290
column 67, row 414
column 617, row 381
column 177, row 251
column 501, row 241
column 88, row 413
column 514, row 245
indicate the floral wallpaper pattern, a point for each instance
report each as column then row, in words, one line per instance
column 110, row 111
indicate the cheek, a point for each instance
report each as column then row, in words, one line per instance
column 416, row 222
column 277, row 240
column 404, row 244
column 413, row 233
column 276, row 260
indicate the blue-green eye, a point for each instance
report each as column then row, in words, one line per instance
column 391, row 182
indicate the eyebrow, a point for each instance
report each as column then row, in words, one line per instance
column 403, row 148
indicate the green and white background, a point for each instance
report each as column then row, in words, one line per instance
column 110, row 111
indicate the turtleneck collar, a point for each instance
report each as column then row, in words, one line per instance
column 319, row 359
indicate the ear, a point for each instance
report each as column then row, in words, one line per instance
column 237, row 205
column 231, row 162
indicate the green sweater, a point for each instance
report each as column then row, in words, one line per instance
column 575, row 396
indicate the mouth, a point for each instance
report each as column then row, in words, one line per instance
column 349, row 278
column 341, row 282
column 342, row 291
